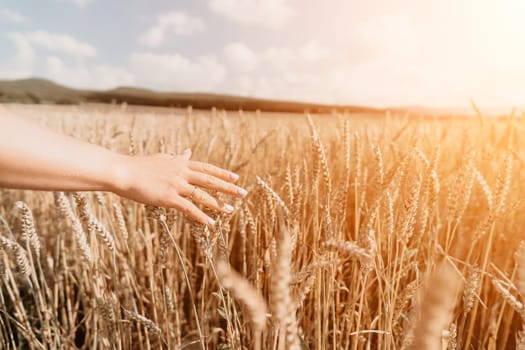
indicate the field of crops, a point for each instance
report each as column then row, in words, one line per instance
column 359, row 232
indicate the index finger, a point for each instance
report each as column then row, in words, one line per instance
column 213, row 170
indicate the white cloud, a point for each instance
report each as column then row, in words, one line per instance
column 280, row 72
column 79, row 3
column 12, row 16
column 239, row 57
column 388, row 37
column 61, row 43
column 70, row 68
column 176, row 72
column 81, row 75
column 175, row 22
column 309, row 56
column 266, row 13
column 21, row 64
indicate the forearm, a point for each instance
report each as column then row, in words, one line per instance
column 35, row 158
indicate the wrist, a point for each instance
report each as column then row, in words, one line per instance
column 119, row 181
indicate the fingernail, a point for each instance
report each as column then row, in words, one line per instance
column 211, row 222
column 242, row 192
column 187, row 153
column 228, row 208
column 234, row 176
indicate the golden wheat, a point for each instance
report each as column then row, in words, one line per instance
column 348, row 217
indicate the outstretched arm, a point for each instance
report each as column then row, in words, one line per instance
column 32, row 157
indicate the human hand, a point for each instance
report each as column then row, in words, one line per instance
column 175, row 182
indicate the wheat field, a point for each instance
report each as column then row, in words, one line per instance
column 385, row 231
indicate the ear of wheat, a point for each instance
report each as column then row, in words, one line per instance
column 28, row 227
column 282, row 306
column 64, row 206
column 243, row 291
column 435, row 308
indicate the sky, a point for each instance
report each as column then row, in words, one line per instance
column 378, row 52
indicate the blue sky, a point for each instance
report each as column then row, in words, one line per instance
column 378, row 52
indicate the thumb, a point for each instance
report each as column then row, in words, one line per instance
column 186, row 154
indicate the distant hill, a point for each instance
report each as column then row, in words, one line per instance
column 48, row 92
